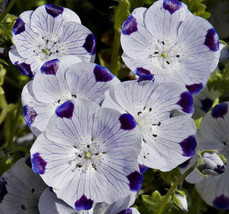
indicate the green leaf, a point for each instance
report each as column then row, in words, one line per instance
column 153, row 202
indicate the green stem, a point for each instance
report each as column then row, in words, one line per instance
column 173, row 187
column 115, row 64
column 7, row 10
column 14, row 125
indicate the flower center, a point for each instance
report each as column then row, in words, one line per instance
column 88, row 155
column 164, row 55
column 47, row 51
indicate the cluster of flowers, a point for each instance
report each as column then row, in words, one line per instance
column 95, row 134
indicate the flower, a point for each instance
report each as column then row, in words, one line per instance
column 170, row 43
column 49, row 203
column 163, row 112
column 181, row 201
column 20, row 189
column 57, row 83
column 213, row 135
column 48, row 33
column 90, row 156
column 203, row 101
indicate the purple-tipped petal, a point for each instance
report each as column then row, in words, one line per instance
column 3, row 190
column 143, row 168
column 89, row 44
column 102, row 74
column 171, row 5
column 206, row 104
column 29, row 114
column 127, row 211
column 127, row 122
column 50, row 67
column 83, row 203
column 195, row 88
column 221, row 202
column 212, row 40
column 144, row 74
column 19, row 26
column 188, row 146
column 53, row 10
column 219, row 110
column 135, row 179
column 129, row 26
column 38, row 164
column 65, row 110
column 186, row 102
column 25, row 69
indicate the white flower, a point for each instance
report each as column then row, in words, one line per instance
column 49, row 203
column 58, row 83
column 168, row 42
column 20, row 189
column 203, row 101
column 213, row 135
column 90, row 155
column 48, row 33
column 163, row 112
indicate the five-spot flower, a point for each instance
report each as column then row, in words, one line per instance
column 163, row 112
column 169, row 43
column 213, row 135
column 89, row 155
column 48, row 33
column 52, row 88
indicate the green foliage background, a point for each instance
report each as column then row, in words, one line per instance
column 104, row 18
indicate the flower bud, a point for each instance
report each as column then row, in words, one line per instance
column 212, row 164
column 181, row 201
column 224, row 52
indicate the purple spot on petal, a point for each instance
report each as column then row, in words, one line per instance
column 89, row 44
column 185, row 164
column 212, row 40
column 206, row 104
column 129, row 26
column 65, row 110
column 53, row 10
column 135, row 179
column 171, row 5
column 3, row 190
column 219, row 110
column 188, row 146
column 186, row 102
column 29, row 114
column 50, row 67
column 25, row 69
column 221, row 202
column 195, row 88
column 102, row 74
column 127, row 211
column 19, row 26
column 38, row 164
column 144, row 74
column 127, row 122
column 143, row 168
column 83, row 203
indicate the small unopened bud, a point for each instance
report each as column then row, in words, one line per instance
column 212, row 164
column 180, row 199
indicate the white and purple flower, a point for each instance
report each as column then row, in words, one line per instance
column 48, row 33
column 163, row 112
column 57, row 83
column 169, row 43
column 20, row 189
column 49, row 203
column 88, row 154
column 213, row 135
